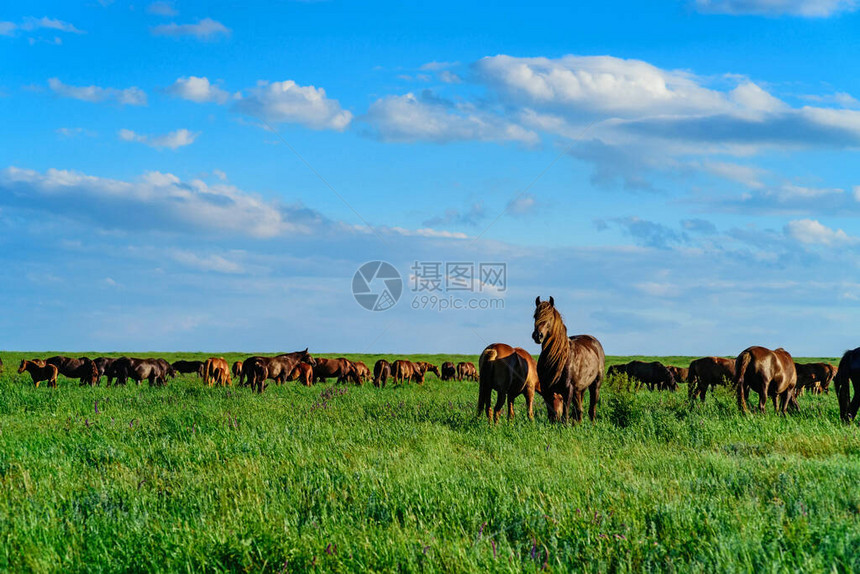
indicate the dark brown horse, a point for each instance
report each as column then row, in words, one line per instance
column 679, row 373
column 360, row 373
column 339, row 368
column 510, row 372
column 566, row 366
column 237, row 371
column 381, row 372
column 82, row 368
column 654, row 375
column 277, row 368
column 156, row 371
column 103, row 365
column 39, row 371
column 708, row 372
column 816, row 377
column 467, row 371
column 403, row 371
column 189, row 367
column 848, row 376
column 769, row 373
column 449, row 371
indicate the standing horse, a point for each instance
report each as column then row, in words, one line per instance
column 381, row 372
column 706, row 373
column 39, row 371
column 566, row 366
column 848, row 373
column 449, row 371
column 509, row 371
column 769, row 373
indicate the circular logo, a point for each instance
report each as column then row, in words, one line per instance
column 377, row 286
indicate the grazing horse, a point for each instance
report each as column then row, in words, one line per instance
column 653, row 375
column 103, row 365
column 217, row 371
column 404, row 370
column 708, row 372
column 381, row 372
column 510, row 372
column 328, row 368
column 188, row 367
column 769, row 373
column 39, row 371
column 679, row 373
column 566, row 366
column 303, row 373
column 359, row 373
column 156, row 371
column 848, row 375
column 277, row 368
column 466, row 370
column 814, row 376
column 449, row 371
column 82, row 369
column 237, row 371
column 428, row 368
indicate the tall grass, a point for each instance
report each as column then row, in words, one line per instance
column 343, row 479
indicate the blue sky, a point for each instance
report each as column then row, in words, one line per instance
column 682, row 177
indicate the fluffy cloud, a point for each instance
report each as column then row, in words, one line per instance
column 288, row 102
column 156, row 201
column 409, row 118
column 812, row 232
column 34, row 24
column 161, row 9
column 804, row 8
column 129, row 96
column 197, row 89
column 173, row 140
column 205, row 29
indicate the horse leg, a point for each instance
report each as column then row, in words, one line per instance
column 530, row 399
column 762, row 397
column 497, row 409
column 577, row 405
column 511, row 398
column 855, row 401
column 593, row 395
column 703, row 390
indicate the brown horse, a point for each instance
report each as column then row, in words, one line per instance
column 217, row 371
column 404, row 371
column 189, row 367
column 237, row 371
column 708, row 372
column 381, row 372
column 449, row 371
column 303, row 373
column 814, row 376
column 566, row 366
column 769, row 373
column 509, row 371
column 39, row 371
column 679, row 373
column 466, row 371
column 360, row 372
column 847, row 376
column 82, row 368
column 654, row 375
column 428, row 368
column 277, row 368
column 328, row 368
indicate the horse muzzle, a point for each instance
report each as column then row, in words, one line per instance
column 537, row 337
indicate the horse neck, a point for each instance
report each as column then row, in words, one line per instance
column 555, row 351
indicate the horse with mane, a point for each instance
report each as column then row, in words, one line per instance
column 381, row 372
column 511, row 372
column 40, row 371
column 567, row 366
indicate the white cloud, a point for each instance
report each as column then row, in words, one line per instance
column 804, row 8
column 129, row 96
column 438, row 66
column 173, row 140
column 7, row 28
column 521, row 204
column 747, row 175
column 197, row 89
column 156, row 201
column 214, row 262
column 74, row 132
column 48, row 24
column 407, row 119
column 288, row 102
column 162, row 9
column 205, row 29
column 811, row 232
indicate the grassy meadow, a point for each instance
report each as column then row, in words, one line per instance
column 407, row 479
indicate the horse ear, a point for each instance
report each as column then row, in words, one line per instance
column 537, row 300
column 306, row 350
column 551, row 301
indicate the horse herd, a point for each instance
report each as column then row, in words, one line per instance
column 567, row 367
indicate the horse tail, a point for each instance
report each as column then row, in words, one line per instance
column 740, row 371
column 841, row 383
column 485, row 383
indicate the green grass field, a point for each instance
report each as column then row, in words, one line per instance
column 346, row 479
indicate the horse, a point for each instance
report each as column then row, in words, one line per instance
column 277, row 368
column 814, row 376
column 848, row 373
column 82, row 369
column 428, row 368
column 679, row 373
column 404, row 371
column 188, row 367
column 359, row 373
column 466, row 370
column 217, row 371
column 103, row 365
column 156, row 371
column 509, row 371
column 449, row 371
column 708, row 372
column 566, row 366
column 381, row 372
column 769, row 373
column 303, row 373
column 328, row 368
column 237, row 371
column 40, row 371
column 654, row 375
